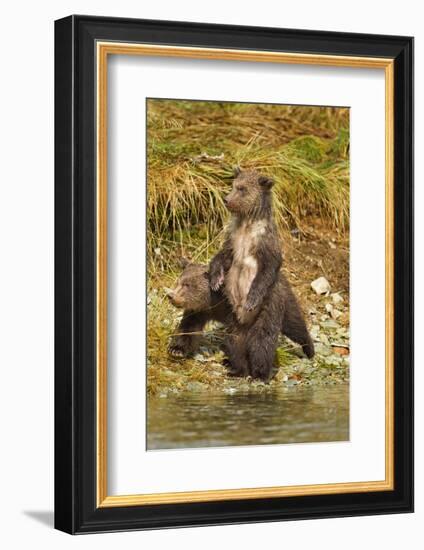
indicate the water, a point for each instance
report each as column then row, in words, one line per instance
column 295, row 415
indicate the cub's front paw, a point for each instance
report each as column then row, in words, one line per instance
column 176, row 350
column 251, row 303
column 216, row 279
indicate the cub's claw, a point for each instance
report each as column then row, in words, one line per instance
column 250, row 304
column 176, row 351
column 216, row 277
column 216, row 286
column 217, row 281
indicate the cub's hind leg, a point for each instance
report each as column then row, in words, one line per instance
column 235, row 350
column 262, row 341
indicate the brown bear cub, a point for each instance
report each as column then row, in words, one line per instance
column 200, row 303
column 248, row 268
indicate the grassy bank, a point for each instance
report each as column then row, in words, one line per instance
column 192, row 150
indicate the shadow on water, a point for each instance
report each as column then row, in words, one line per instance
column 295, row 415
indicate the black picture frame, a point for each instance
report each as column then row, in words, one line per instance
column 76, row 510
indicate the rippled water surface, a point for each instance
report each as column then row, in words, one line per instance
column 296, row 415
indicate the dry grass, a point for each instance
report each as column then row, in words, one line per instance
column 193, row 147
column 304, row 149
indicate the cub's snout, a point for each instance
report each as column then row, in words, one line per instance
column 192, row 291
column 174, row 297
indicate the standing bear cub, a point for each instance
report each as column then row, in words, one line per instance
column 201, row 304
column 248, row 269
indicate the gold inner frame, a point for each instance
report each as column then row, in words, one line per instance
column 104, row 49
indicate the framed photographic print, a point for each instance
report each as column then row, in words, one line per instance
column 234, row 274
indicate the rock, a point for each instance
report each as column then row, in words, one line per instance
column 333, row 361
column 332, row 245
column 321, row 349
column 196, row 386
column 321, row 286
column 331, row 324
column 341, row 350
column 337, row 298
column 334, row 313
column 324, row 339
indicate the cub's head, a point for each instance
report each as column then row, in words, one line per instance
column 250, row 193
column 192, row 290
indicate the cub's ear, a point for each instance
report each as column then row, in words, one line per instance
column 265, row 182
column 236, row 171
column 184, row 262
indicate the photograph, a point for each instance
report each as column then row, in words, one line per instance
column 247, row 267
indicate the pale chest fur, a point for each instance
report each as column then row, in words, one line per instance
column 244, row 267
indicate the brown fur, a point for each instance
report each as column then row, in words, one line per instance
column 198, row 293
column 200, row 303
column 249, row 267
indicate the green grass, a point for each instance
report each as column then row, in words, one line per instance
column 304, row 149
column 165, row 372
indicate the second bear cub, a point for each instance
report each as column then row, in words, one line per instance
column 200, row 303
column 248, row 267
column 193, row 294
